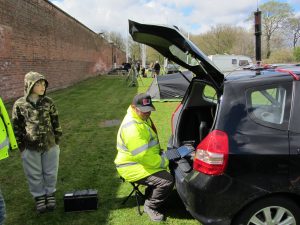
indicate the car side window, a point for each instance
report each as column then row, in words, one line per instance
column 243, row 62
column 268, row 105
column 209, row 94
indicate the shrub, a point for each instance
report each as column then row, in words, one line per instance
column 281, row 56
column 297, row 54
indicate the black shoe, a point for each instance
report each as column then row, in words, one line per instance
column 50, row 202
column 40, row 204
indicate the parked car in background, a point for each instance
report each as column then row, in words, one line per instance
column 245, row 169
column 229, row 63
column 172, row 68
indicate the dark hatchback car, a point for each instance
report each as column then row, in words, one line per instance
column 246, row 133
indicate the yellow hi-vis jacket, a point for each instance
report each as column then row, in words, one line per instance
column 7, row 136
column 139, row 153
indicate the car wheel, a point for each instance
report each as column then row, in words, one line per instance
column 270, row 211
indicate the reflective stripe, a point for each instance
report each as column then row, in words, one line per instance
column 151, row 136
column 139, row 149
column 162, row 164
column 123, row 143
column 144, row 147
column 128, row 124
column 123, row 147
column 152, row 143
column 4, row 143
column 125, row 164
column 125, row 126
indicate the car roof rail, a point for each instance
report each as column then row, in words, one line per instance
column 295, row 76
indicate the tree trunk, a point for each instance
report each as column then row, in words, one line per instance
column 268, row 47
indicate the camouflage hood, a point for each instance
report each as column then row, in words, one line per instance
column 30, row 79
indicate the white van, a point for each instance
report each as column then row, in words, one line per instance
column 228, row 63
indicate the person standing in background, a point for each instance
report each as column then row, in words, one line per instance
column 157, row 68
column 37, row 129
column 138, row 67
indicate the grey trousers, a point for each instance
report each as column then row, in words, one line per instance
column 159, row 186
column 41, row 170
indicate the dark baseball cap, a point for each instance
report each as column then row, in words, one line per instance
column 143, row 102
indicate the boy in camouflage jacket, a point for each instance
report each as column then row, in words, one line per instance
column 37, row 130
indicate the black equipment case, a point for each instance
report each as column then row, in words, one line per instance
column 83, row 200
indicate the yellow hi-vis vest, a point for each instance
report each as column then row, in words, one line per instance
column 7, row 136
column 138, row 149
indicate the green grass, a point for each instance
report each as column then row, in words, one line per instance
column 86, row 159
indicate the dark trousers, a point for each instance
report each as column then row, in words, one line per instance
column 159, row 186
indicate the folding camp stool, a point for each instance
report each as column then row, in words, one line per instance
column 137, row 194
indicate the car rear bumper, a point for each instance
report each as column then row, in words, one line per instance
column 213, row 200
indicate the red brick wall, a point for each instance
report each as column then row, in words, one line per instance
column 35, row 35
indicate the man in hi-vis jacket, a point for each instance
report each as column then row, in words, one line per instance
column 7, row 141
column 140, row 157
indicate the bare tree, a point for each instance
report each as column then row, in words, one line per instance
column 293, row 26
column 218, row 40
column 274, row 16
column 115, row 38
column 244, row 44
column 153, row 55
column 134, row 49
column 224, row 38
column 118, row 40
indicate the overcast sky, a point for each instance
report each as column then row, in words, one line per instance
column 194, row 16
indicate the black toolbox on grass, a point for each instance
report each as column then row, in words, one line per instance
column 83, row 200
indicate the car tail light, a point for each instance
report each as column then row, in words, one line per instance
column 212, row 153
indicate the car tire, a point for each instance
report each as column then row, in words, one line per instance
column 270, row 207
